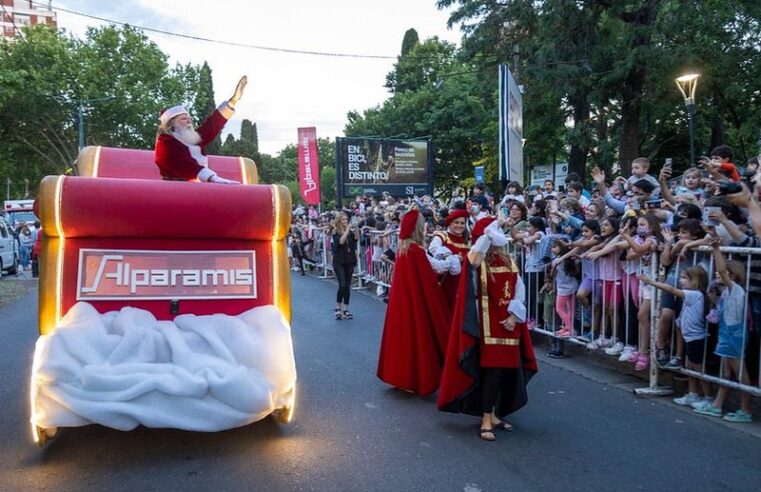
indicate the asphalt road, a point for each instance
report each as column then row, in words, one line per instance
column 352, row 432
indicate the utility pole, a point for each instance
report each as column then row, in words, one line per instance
column 7, row 188
column 81, row 115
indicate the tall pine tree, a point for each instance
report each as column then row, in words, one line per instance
column 204, row 103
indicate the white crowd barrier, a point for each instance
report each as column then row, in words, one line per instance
column 614, row 311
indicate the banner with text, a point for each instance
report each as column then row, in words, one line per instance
column 309, row 166
column 369, row 166
column 139, row 274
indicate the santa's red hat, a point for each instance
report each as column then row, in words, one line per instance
column 169, row 113
column 457, row 214
column 409, row 222
column 480, row 227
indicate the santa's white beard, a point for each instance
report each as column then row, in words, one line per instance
column 187, row 135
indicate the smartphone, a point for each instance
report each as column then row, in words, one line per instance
column 649, row 204
column 669, row 162
column 708, row 220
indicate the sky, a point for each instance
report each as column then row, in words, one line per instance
column 285, row 91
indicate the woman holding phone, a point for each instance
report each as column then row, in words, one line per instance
column 344, row 246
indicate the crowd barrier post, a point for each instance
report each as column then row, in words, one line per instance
column 653, row 388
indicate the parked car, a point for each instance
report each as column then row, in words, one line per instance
column 9, row 255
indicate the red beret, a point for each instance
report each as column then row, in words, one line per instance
column 409, row 222
column 480, row 227
column 457, row 214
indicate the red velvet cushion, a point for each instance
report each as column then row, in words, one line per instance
column 132, row 163
column 106, row 207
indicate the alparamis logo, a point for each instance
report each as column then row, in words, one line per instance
column 136, row 274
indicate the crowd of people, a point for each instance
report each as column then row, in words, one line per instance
column 597, row 258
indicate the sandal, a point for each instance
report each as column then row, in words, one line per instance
column 348, row 315
column 487, row 435
column 338, row 314
column 709, row 411
column 503, row 426
column 738, row 417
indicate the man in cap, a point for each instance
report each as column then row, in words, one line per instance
column 180, row 148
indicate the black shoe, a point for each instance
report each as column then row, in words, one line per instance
column 555, row 354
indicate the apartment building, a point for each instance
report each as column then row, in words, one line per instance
column 21, row 13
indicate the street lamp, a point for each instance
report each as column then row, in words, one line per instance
column 687, row 85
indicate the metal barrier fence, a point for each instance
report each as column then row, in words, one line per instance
column 614, row 306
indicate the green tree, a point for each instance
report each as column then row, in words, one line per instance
column 44, row 79
column 204, row 102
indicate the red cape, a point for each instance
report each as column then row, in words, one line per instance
column 415, row 330
column 460, row 390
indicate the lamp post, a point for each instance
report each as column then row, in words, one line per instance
column 687, row 85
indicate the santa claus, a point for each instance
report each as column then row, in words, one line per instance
column 180, row 148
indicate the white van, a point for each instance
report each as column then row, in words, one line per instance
column 8, row 249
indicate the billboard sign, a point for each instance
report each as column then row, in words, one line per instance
column 510, row 127
column 368, row 166
column 106, row 274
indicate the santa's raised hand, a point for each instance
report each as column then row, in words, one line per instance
column 239, row 90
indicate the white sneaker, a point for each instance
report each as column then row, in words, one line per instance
column 616, row 349
column 702, row 403
column 626, row 353
column 688, row 399
column 595, row 344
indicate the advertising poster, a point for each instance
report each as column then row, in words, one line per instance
column 510, row 127
column 371, row 166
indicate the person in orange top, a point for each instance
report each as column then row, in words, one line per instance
column 453, row 241
column 490, row 357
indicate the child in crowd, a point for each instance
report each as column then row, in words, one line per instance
column 566, row 275
column 675, row 258
column 691, row 184
column 514, row 192
column 641, row 248
column 611, row 275
column 590, row 290
column 732, row 338
column 640, row 167
column 534, row 264
column 692, row 325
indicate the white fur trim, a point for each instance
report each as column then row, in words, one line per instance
column 171, row 113
column 206, row 174
column 226, row 110
column 496, row 236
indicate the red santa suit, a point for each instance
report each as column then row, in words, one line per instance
column 445, row 243
column 184, row 161
column 417, row 319
column 479, row 343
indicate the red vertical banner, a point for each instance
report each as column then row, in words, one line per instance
column 309, row 166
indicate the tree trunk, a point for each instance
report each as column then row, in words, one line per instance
column 577, row 158
column 628, row 145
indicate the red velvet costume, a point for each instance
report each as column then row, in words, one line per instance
column 458, row 245
column 477, row 341
column 416, row 325
column 173, row 157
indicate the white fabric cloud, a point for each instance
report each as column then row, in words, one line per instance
column 124, row 369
